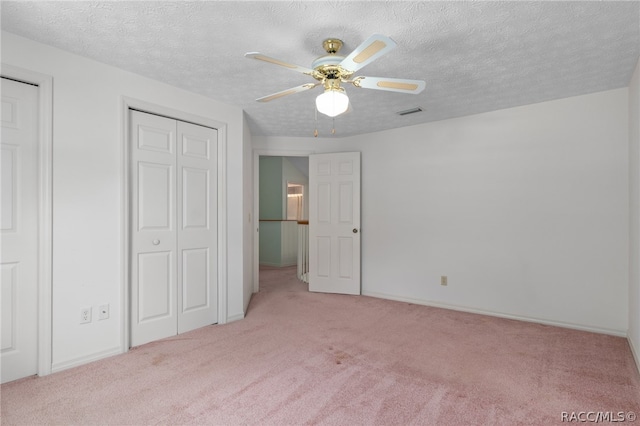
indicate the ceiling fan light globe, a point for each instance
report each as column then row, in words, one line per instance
column 332, row 103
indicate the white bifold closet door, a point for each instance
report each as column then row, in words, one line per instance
column 18, row 231
column 173, row 227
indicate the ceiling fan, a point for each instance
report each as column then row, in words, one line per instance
column 333, row 69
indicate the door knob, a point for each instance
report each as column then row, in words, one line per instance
column 156, row 242
column 355, row 231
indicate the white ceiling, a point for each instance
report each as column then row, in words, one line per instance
column 474, row 56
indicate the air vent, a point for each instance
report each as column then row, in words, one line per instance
column 409, row 111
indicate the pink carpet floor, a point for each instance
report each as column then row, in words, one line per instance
column 304, row 358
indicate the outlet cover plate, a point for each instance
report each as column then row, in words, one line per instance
column 85, row 315
column 103, row 312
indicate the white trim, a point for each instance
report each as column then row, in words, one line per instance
column 124, row 231
column 45, row 191
column 634, row 352
column 235, row 317
column 222, row 226
column 494, row 314
column 76, row 362
column 257, row 153
column 131, row 103
column 280, row 265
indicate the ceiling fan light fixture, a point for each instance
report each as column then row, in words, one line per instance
column 333, row 102
column 333, row 69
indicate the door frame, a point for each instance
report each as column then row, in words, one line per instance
column 44, row 84
column 128, row 103
column 257, row 153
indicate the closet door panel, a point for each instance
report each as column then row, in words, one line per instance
column 198, row 234
column 195, row 279
column 195, row 193
column 154, row 283
column 153, row 232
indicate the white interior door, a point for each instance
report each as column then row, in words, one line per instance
column 197, row 233
column 154, row 274
column 173, row 227
column 19, row 231
column 334, row 223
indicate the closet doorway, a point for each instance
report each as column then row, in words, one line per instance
column 173, row 228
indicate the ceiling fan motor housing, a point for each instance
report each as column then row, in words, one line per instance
column 327, row 61
column 328, row 67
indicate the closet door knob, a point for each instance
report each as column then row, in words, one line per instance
column 156, row 242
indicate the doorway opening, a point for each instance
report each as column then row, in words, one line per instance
column 281, row 182
column 334, row 218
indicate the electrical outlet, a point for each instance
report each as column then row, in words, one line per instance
column 103, row 312
column 85, row 315
column 443, row 280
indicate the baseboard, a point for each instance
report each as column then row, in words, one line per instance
column 60, row 366
column 235, row 317
column 611, row 332
column 292, row 261
column 634, row 351
column 262, row 263
column 279, row 265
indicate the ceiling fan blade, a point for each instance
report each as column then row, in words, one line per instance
column 368, row 51
column 261, row 57
column 401, row 85
column 291, row 91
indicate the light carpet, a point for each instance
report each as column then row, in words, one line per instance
column 305, row 358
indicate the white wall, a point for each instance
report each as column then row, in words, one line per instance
column 634, row 213
column 87, row 190
column 524, row 209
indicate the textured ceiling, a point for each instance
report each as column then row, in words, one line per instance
column 474, row 56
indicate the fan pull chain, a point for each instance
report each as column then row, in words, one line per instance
column 315, row 132
column 333, row 126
